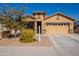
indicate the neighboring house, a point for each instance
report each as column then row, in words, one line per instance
column 55, row 24
column 76, row 28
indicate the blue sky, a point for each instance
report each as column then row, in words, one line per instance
column 70, row 9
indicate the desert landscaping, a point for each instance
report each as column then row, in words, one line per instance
column 16, row 42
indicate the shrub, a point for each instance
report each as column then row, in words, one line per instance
column 27, row 35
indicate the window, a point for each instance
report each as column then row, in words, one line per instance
column 61, row 24
column 57, row 24
column 48, row 24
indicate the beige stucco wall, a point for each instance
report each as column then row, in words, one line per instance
column 59, row 29
column 61, row 19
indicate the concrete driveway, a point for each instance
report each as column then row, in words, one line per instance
column 67, row 44
column 62, row 45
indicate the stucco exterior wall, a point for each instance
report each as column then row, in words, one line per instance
column 55, row 19
column 59, row 29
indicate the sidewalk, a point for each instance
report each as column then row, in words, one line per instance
column 27, row 51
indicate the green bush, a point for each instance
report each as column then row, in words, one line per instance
column 27, row 35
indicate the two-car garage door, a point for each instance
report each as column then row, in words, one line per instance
column 57, row 28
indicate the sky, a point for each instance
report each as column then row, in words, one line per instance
column 69, row 9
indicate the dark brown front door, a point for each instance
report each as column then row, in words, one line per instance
column 39, row 24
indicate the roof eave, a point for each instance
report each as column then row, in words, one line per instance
column 61, row 14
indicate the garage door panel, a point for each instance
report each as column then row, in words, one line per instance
column 57, row 29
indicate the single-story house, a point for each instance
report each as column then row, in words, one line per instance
column 57, row 23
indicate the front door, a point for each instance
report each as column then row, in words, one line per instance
column 39, row 24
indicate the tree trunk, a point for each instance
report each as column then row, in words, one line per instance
column 15, row 35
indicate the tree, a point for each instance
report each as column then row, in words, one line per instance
column 12, row 17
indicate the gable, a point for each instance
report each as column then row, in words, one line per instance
column 58, row 17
